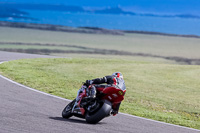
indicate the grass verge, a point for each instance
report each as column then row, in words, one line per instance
column 135, row 43
column 163, row 92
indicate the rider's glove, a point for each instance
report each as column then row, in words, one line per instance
column 88, row 82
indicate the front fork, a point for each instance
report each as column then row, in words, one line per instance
column 80, row 94
column 89, row 92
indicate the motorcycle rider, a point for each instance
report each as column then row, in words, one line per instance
column 116, row 80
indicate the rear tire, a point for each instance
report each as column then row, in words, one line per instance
column 103, row 112
column 66, row 113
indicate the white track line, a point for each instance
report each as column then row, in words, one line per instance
column 71, row 100
column 33, row 89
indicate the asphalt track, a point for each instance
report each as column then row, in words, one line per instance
column 25, row 110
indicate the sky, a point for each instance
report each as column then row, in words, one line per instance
column 170, row 6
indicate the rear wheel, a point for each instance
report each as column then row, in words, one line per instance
column 66, row 113
column 103, row 112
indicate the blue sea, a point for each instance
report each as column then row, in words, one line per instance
column 175, row 25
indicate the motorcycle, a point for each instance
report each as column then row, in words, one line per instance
column 95, row 109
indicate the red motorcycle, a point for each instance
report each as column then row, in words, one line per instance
column 95, row 109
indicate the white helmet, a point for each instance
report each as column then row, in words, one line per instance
column 118, row 75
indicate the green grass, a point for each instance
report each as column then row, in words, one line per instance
column 13, row 46
column 136, row 43
column 164, row 92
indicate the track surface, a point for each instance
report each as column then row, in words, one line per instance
column 26, row 111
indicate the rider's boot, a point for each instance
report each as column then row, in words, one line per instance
column 92, row 92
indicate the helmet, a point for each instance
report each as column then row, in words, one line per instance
column 118, row 75
column 118, row 80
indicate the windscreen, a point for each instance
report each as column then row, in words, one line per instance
column 121, row 84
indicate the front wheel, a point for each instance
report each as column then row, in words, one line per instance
column 103, row 112
column 66, row 113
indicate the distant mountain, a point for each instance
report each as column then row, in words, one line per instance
column 43, row 7
column 187, row 16
column 15, row 10
column 115, row 10
column 6, row 12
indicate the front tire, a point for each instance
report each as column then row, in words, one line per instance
column 103, row 112
column 66, row 113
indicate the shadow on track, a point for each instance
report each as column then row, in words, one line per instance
column 82, row 121
column 69, row 120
